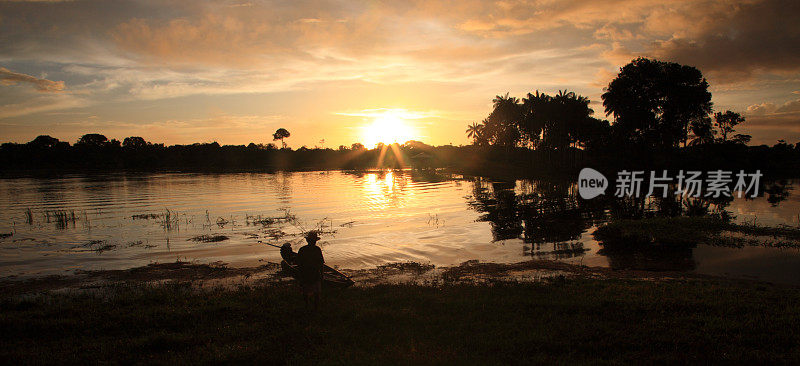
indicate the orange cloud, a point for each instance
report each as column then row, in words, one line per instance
column 8, row 77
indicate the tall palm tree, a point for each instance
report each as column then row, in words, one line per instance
column 501, row 127
column 702, row 132
column 474, row 131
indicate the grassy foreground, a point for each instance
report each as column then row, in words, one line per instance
column 567, row 321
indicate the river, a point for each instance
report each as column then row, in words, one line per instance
column 89, row 222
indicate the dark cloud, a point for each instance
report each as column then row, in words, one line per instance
column 8, row 77
column 749, row 38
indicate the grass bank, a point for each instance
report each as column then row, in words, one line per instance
column 688, row 231
column 564, row 320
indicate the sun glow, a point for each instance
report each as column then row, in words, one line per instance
column 388, row 127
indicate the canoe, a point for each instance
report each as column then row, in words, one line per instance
column 330, row 276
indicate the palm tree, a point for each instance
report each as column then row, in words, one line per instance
column 702, row 132
column 501, row 127
column 559, row 121
column 474, row 131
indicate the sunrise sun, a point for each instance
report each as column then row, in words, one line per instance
column 388, row 127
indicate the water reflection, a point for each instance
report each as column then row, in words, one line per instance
column 552, row 213
column 777, row 192
column 538, row 212
column 377, row 216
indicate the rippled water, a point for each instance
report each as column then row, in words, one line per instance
column 93, row 222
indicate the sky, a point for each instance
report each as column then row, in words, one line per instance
column 331, row 72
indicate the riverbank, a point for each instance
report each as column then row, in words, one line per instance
column 214, row 275
column 474, row 313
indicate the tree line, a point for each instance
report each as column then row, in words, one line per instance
column 662, row 111
column 656, row 105
column 96, row 152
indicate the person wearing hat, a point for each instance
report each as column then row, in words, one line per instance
column 310, row 263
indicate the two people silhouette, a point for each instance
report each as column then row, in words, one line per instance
column 310, row 264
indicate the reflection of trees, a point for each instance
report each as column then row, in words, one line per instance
column 551, row 212
column 539, row 212
column 428, row 176
column 777, row 192
column 498, row 203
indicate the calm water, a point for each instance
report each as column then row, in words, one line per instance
column 90, row 222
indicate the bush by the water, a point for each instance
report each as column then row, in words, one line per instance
column 688, row 231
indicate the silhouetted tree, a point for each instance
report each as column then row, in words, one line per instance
column 44, row 142
column 474, row 132
column 536, row 110
column 501, row 127
column 653, row 101
column 281, row 134
column 741, row 139
column 357, row 146
column 134, row 142
column 560, row 121
column 93, row 140
column 702, row 131
column 726, row 123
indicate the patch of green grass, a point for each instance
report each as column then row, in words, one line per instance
column 688, row 231
column 574, row 321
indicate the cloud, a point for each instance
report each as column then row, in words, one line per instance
column 767, row 108
column 8, row 77
column 792, row 106
column 618, row 54
column 769, row 122
column 761, row 109
column 746, row 39
column 144, row 52
column 40, row 104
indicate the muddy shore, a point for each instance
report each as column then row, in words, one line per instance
column 220, row 275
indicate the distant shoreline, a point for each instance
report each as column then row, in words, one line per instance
column 518, row 162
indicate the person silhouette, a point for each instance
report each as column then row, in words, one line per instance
column 310, row 263
column 287, row 253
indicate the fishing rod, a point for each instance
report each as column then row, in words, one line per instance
column 278, row 246
column 270, row 244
